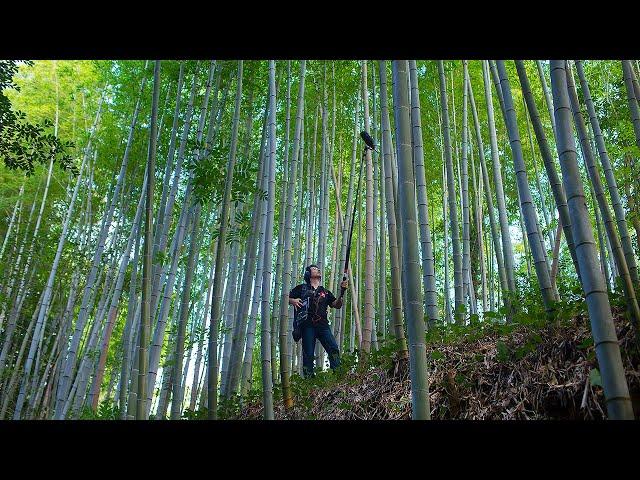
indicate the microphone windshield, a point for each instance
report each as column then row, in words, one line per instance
column 368, row 140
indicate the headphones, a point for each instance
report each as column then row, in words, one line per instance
column 307, row 273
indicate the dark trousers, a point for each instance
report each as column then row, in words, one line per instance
column 321, row 332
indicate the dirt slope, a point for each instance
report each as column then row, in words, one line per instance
column 529, row 373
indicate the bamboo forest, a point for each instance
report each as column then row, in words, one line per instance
column 319, row 240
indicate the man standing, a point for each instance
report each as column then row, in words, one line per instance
column 315, row 299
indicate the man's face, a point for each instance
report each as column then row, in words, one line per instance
column 315, row 272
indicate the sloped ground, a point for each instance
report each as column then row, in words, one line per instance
column 530, row 373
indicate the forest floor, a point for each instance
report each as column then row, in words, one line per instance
column 486, row 371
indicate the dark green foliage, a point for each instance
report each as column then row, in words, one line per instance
column 503, row 352
column 209, row 177
column 107, row 410
column 436, row 355
column 594, row 377
column 189, row 414
column 23, row 143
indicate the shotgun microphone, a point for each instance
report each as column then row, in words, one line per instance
column 368, row 140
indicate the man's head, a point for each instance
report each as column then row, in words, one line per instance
column 312, row 271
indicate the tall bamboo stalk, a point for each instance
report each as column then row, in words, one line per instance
column 426, row 244
column 238, row 344
column 212, row 361
column 369, row 240
column 549, row 165
column 451, row 191
column 467, row 284
column 392, row 228
column 286, row 282
column 178, row 392
column 88, row 292
column 420, row 407
column 632, row 100
column 145, row 324
column 507, row 247
column 612, row 185
column 604, row 334
column 527, row 206
column 495, row 233
column 265, row 344
column 598, row 190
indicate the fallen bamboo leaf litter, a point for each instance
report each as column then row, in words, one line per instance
column 546, row 382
